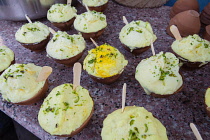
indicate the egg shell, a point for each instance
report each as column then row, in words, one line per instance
column 37, row 47
column 188, row 23
column 184, row 5
column 64, row 26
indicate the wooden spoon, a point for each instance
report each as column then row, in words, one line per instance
column 174, row 30
column 29, row 20
column 44, row 73
column 69, row 2
column 125, row 20
column 152, row 47
column 52, row 31
column 94, row 42
column 88, row 10
column 77, row 74
column 195, row 131
column 123, row 96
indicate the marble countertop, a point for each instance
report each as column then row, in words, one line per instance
column 175, row 112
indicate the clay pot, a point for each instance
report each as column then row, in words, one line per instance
column 136, row 51
column 70, row 61
column 98, row 8
column 188, row 23
column 205, row 15
column 36, row 47
column 93, row 35
column 206, row 34
column 64, row 26
column 167, row 95
column 40, row 95
column 184, row 5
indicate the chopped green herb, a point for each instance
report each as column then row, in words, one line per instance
column 132, row 122
column 33, row 29
column 92, row 61
column 146, row 128
column 163, row 74
column 58, row 93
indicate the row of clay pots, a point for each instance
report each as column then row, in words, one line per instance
column 184, row 14
column 188, row 23
column 205, row 15
column 184, row 5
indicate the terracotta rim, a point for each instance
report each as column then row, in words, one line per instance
column 99, row 8
column 37, row 47
column 69, row 61
column 94, row 35
column 13, row 62
column 167, row 95
column 64, row 26
column 136, row 51
column 107, row 80
column 41, row 94
column 81, row 127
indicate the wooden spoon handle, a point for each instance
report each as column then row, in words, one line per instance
column 174, row 30
column 29, row 20
column 52, row 31
column 44, row 73
column 195, row 131
column 77, row 74
column 125, row 20
column 152, row 47
column 69, row 2
column 123, row 96
column 94, row 42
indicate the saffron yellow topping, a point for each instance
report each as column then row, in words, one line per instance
column 104, row 61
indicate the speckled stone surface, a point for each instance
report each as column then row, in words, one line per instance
column 175, row 112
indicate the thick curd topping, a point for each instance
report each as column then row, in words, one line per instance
column 193, row 48
column 64, row 109
column 94, row 3
column 104, row 61
column 89, row 22
column 6, row 57
column 61, row 13
column 159, row 74
column 65, row 46
column 137, row 34
column 32, row 33
column 135, row 123
column 18, row 82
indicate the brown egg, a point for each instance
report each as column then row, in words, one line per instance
column 188, row 23
column 205, row 15
column 206, row 34
column 184, row 5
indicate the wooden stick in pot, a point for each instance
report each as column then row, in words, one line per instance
column 123, row 96
column 195, row 131
column 77, row 74
column 44, row 73
column 174, row 30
